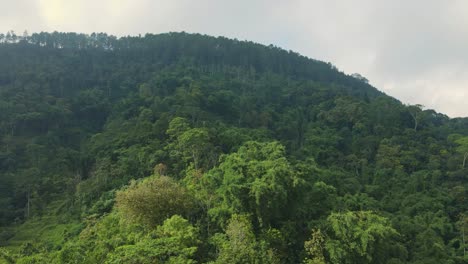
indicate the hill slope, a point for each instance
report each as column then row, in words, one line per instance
column 241, row 153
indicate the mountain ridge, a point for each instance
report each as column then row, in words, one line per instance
column 246, row 138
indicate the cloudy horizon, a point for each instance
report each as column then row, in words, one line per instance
column 413, row 51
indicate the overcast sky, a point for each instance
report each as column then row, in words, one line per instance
column 416, row 51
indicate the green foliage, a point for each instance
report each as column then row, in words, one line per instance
column 357, row 237
column 262, row 144
column 191, row 144
column 315, row 248
column 255, row 179
column 239, row 244
column 173, row 242
column 153, row 200
column 462, row 147
column 6, row 256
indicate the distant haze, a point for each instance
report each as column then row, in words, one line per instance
column 414, row 50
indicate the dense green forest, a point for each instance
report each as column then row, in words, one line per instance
column 185, row 148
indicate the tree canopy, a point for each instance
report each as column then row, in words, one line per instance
column 186, row 148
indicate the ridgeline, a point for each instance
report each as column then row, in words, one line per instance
column 186, row 148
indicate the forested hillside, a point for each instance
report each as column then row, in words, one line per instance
column 185, row 148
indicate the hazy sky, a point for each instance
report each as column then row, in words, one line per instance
column 416, row 51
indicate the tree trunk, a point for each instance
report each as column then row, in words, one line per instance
column 415, row 118
column 415, row 123
column 464, row 159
